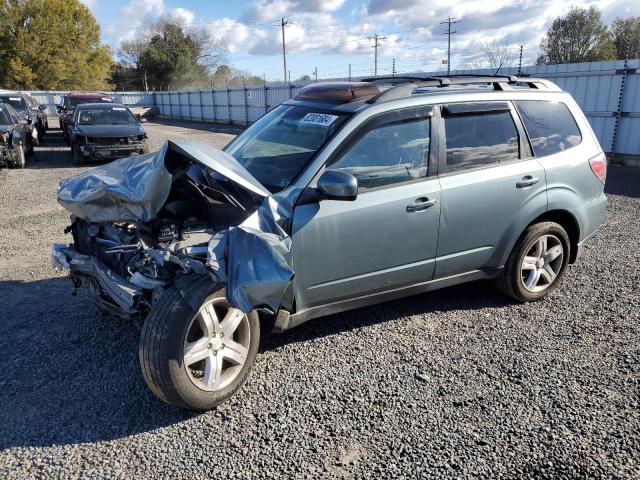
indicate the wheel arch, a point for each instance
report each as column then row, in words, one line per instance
column 566, row 220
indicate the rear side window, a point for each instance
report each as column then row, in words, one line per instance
column 480, row 139
column 550, row 126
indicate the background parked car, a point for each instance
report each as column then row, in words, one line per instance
column 29, row 108
column 103, row 131
column 70, row 102
column 16, row 141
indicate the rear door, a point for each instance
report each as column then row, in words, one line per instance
column 387, row 237
column 489, row 180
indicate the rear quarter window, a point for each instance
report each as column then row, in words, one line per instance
column 550, row 126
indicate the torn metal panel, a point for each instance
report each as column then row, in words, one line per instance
column 134, row 189
column 127, row 190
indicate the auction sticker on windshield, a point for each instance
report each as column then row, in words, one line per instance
column 323, row 119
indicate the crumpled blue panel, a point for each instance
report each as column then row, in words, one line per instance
column 257, row 269
column 127, row 190
column 254, row 258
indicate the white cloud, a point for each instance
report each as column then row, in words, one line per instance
column 137, row 13
column 182, row 14
column 90, row 4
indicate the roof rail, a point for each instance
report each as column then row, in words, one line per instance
column 402, row 87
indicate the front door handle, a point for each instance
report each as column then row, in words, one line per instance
column 421, row 203
column 527, row 181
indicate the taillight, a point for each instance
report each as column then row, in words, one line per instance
column 599, row 166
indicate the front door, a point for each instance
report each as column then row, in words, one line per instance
column 387, row 237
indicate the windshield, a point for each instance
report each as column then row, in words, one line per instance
column 16, row 102
column 73, row 102
column 105, row 116
column 278, row 147
column 4, row 117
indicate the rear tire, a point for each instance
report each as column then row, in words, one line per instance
column 182, row 364
column 537, row 263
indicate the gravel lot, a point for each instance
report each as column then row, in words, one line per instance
column 456, row 383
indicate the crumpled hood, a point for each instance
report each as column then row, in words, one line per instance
column 134, row 189
column 107, row 131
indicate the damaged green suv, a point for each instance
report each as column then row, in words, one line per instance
column 348, row 195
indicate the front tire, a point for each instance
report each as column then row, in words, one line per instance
column 197, row 358
column 21, row 160
column 537, row 263
column 77, row 155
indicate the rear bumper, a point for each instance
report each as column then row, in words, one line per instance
column 113, row 292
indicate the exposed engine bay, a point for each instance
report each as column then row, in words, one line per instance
column 131, row 240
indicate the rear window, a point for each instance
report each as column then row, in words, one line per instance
column 73, row 102
column 480, row 139
column 550, row 126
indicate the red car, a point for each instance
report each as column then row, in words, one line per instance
column 70, row 102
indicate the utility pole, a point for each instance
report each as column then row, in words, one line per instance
column 377, row 41
column 349, row 72
column 393, row 68
column 520, row 62
column 449, row 21
column 315, row 72
column 284, row 23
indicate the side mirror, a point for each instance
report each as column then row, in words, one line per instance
column 42, row 108
column 59, row 108
column 337, row 185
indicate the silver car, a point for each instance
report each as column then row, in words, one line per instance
column 348, row 195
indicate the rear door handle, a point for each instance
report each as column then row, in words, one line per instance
column 421, row 203
column 527, row 181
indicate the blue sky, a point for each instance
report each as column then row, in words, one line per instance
column 331, row 34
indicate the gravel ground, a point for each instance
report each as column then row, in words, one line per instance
column 458, row 383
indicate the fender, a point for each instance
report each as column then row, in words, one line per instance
column 534, row 207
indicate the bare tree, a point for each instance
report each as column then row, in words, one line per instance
column 497, row 56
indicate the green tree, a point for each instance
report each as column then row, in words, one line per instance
column 626, row 35
column 51, row 45
column 580, row 36
column 165, row 55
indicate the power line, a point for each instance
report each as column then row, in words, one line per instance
column 448, row 33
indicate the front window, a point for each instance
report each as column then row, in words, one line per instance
column 279, row 146
column 73, row 102
column 389, row 154
column 105, row 116
column 16, row 102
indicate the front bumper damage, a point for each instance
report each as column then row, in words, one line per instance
column 111, row 151
column 111, row 292
column 8, row 155
column 252, row 257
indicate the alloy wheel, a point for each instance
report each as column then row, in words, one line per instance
column 542, row 263
column 216, row 345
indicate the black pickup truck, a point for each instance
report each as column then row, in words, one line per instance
column 106, row 131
